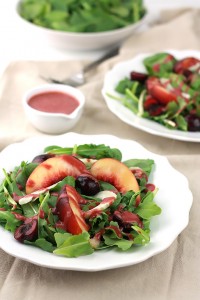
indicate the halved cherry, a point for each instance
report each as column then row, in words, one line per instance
column 151, row 81
column 153, row 106
column 162, row 94
column 193, row 122
column 150, row 187
column 137, row 76
column 126, row 219
column 187, row 64
column 87, row 184
column 139, row 173
column 42, row 157
column 62, row 205
column 27, row 231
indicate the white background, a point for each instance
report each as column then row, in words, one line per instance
column 13, row 45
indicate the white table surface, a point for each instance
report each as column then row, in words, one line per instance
column 13, row 45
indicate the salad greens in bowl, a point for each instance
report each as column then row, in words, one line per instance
column 82, row 25
column 88, row 203
column 82, row 16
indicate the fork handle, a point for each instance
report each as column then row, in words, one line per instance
column 108, row 54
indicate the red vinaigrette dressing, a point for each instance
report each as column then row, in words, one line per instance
column 54, row 102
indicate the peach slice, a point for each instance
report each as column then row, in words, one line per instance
column 70, row 213
column 116, row 173
column 53, row 170
column 74, row 222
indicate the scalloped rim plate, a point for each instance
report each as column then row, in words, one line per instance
column 164, row 228
column 122, row 70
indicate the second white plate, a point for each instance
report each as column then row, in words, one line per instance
column 122, row 70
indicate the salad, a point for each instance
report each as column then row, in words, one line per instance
column 168, row 93
column 76, row 200
column 82, row 16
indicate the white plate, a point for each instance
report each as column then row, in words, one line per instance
column 122, row 70
column 165, row 227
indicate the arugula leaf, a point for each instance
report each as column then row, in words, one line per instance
column 126, row 101
column 87, row 151
column 124, row 84
column 195, row 82
column 128, row 200
column 120, row 243
column 111, row 238
column 98, row 223
column 160, row 60
column 8, row 220
column 145, row 164
column 74, row 245
column 67, row 180
column 181, row 122
column 41, row 243
column 148, row 208
column 142, row 237
column 9, row 198
column 132, row 89
column 105, row 186
column 30, row 209
column 21, row 174
column 61, row 238
column 46, row 221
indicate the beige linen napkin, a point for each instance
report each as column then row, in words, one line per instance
column 173, row 274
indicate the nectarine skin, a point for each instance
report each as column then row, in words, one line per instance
column 69, row 211
column 116, row 173
column 53, row 170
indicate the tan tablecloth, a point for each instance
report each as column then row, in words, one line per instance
column 173, row 274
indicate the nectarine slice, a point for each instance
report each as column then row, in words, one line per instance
column 69, row 211
column 116, row 173
column 53, row 170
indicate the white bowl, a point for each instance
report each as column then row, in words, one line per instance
column 53, row 123
column 77, row 41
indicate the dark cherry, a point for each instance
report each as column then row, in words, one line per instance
column 185, row 64
column 87, row 184
column 153, row 106
column 193, row 123
column 42, row 157
column 126, row 219
column 27, row 231
column 136, row 76
column 187, row 73
column 139, row 174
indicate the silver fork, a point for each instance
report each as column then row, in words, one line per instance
column 78, row 78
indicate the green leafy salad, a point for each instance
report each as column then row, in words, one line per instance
column 168, row 93
column 82, row 16
column 76, row 200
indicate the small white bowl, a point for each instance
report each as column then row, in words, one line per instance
column 53, row 123
column 77, row 41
